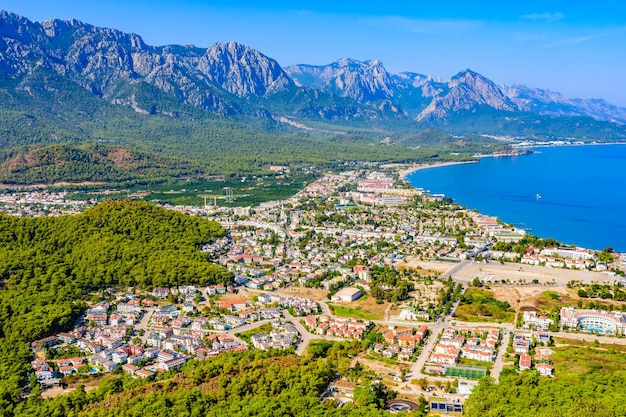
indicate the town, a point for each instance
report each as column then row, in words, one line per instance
column 356, row 255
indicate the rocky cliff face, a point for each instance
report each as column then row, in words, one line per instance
column 104, row 60
column 361, row 81
column 467, row 90
column 243, row 71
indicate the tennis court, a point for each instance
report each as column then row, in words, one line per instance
column 469, row 372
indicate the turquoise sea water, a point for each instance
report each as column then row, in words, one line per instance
column 575, row 194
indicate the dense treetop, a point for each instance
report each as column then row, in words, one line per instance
column 597, row 394
column 47, row 265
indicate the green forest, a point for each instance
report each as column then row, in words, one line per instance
column 249, row 383
column 180, row 140
column 48, row 266
column 591, row 394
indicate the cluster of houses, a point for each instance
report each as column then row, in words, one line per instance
column 41, row 203
column 282, row 336
column 477, row 344
column 571, row 258
column 490, row 226
column 522, row 345
column 541, row 364
column 378, row 189
column 401, row 342
column 299, row 306
column 321, row 243
column 172, row 336
column 336, row 326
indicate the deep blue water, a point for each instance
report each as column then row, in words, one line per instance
column 582, row 189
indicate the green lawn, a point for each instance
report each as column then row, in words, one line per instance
column 245, row 336
column 356, row 312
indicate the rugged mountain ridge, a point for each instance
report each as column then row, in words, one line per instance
column 369, row 81
column 362, row 81
column 232, row 78
column 467, row 90
column 105, row 60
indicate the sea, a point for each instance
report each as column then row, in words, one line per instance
column 575, row 194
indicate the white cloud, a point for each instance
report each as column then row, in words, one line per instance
column 428, row 27
column 546, row 17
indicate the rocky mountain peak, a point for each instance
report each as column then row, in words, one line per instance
column 363, row 81
column 467, row 90
column 243, row 71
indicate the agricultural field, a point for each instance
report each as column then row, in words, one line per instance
column 246, row 192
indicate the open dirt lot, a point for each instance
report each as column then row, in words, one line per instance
column 426, row 267
column 527, row 296
column 313, row 293
column 380, row 368
column 495, row 271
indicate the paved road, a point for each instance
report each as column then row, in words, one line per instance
column 499, row 362
column 590, row 338
column 416, row 368
column 325, row 308
column 305, row 336
column 143, row 323
column 247, row 327
column 456, row 268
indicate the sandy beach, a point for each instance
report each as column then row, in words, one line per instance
column 404, row 170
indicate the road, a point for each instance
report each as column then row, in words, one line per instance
column 586, row 337
column 143, row 323
column 325, row 308
column 416, row 368
column 499, row 362
column 456, row 268
column 305, row 336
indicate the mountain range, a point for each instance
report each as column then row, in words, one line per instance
column 107, row 61
column 71, row 77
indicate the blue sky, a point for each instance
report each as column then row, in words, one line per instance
column 574, row 47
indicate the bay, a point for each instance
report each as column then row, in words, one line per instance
column 575, row 194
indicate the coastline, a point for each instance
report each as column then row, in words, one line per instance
column 404, row 171
column 584, row 238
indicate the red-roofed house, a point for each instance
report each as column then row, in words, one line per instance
column 524, row 362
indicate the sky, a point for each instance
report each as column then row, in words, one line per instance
column 575, row 47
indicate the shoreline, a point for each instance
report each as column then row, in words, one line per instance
column 405, row 171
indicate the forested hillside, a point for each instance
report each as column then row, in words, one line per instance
column 45, row 110
column 48, row 265
column 596, row 393
column 249, row 383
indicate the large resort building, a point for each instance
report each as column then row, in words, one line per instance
column 603, row 322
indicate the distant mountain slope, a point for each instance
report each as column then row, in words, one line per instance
column 361, row 81
column 104, row 60
column 467, row 90
column 429, row 100
column 93, row 162
column 61, row 69
column 550, row 103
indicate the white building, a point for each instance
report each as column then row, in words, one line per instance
column 347, row 294
column 594, row 321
